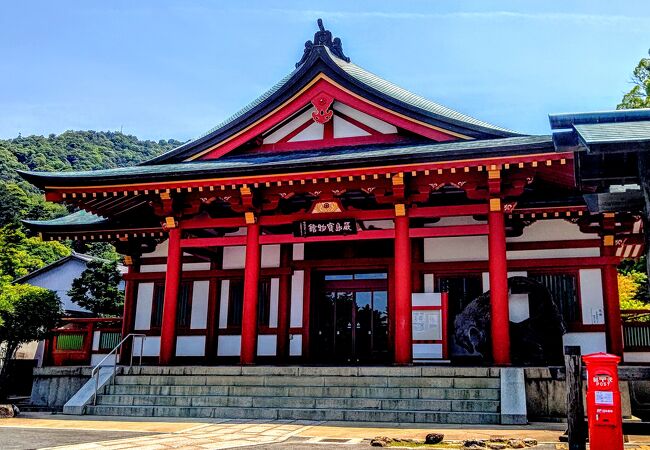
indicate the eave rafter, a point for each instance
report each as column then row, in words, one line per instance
column 82, row 192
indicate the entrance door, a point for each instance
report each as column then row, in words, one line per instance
column 351, row 319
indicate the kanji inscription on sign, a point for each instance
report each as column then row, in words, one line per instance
column 333, row 227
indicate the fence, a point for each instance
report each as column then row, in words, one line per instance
column 80, row 341
column 636, row 330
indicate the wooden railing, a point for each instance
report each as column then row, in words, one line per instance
column 78, row 339
column 636, row 330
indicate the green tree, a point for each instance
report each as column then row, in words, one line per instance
column 97, row 288
column 29, row 314
column 20, row 255
column 639, row 95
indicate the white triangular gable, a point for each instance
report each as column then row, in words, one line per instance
column 347, row 122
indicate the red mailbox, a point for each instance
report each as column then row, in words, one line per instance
column 604, row 402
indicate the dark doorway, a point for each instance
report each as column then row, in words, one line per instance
column 462, row 289
column 350, row 319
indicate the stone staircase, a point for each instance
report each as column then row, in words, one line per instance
column 365, row 394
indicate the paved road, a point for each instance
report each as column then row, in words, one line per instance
column 37, row 438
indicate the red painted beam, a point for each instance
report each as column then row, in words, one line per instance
column 378, row 214
column 552, row 245
column 456, row 230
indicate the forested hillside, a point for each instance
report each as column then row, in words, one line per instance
column 72, row 150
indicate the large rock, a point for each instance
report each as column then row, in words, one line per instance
column 536, row 340
column 6, row 411
column 434, row 438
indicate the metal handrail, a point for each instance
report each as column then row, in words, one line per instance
column 117, row 357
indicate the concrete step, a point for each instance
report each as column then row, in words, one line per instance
column 301, row 402
column 357, row 415
column 308, row 380
column 309, row 391
column 429, row 371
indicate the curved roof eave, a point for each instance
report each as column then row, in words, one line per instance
column 325, row 159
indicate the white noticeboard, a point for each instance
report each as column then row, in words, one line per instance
column 604, row 397
column 427, row 325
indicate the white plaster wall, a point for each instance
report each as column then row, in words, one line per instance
column 234, row 257
column 59, row 279
column 636, row 357
column 160, row 251
column 372, row 122
column 379, row 224
column 591, row 296
column 591, row 342
column 151, row 346
column 428, row 282
column 455, row 221
column 150, row 268
column 143, row 306
column 223, row 304
column 199, row 315
column 553, row 253
column 271, row 255
column 343, row 129
column 190, row 346
column 228, row 345
column 266, row 344
column 462, row 248
column 187, row 267
column 551, row 230
column 298, row 251
column 312, row 133
column 96, row 338
column 297, row 287
column 426, row 299
column 427, row 351
column 273, row 307
column 288, row 128
column 295, row 344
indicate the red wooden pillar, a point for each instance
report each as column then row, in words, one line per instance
column 128, row 317
column 251, row 295
column 499, row 311
column 284, row 308
column 403, row 331
column 172, row 283
column 611, row 303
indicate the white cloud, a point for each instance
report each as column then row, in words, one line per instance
column 630, row 23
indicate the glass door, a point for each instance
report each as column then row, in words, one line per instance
column 350, row 320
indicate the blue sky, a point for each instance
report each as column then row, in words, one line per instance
column 173, row 69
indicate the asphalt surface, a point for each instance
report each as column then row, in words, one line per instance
column 36, row 438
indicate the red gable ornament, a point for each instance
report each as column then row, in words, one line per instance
column 322, row 103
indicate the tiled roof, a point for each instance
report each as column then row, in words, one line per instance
column 300, row 160
column 605, row 133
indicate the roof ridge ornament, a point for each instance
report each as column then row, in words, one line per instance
column 323, row 38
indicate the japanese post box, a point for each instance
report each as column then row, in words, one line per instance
column 603, row 402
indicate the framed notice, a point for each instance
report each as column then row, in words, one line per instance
column 604, row 397
column 427, row 325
